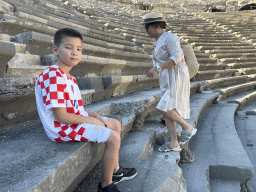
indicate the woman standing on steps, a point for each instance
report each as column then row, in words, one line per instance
column 169, row 62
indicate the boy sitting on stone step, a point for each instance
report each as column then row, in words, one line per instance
column 63, row 116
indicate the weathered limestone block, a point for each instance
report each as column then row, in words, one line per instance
column 5, row 37
column 140, row 119
column 113, row 86
column 85, row 31
column 24, row 65
column 232, row 90
column 12, row 25
column 17, row 100
column 91, row 66
column 5, row 7
column 7, row 52
column 36, row 43
column 40, row 12
column 87, row 96
column 214, row 74
column 186, row 156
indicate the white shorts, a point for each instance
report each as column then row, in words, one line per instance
column 96, row 133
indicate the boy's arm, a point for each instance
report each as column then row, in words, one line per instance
column 95, row 115
column 63, row 116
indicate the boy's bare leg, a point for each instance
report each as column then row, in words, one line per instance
column 110, row 157
column 115, row 125
column 174, row 116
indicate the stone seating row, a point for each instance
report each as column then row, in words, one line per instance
column 89, row 32
column 41, row 44
column 105, row 65
column 18, row 93
column 227, row 56
column 7, row 52
column 86, row 21
column 5, row 7
column 20, row 12
column 155, row 176
column 14, row 26
column 226, row 161
column 238, row 26
column 244, row 99
column 55, row 8
column 235, row 89
column 78, row 157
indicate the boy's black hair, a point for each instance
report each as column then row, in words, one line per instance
column 66, row 32
column 161, row 24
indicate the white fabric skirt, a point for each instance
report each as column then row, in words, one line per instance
column 175, row 88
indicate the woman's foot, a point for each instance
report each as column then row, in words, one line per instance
column 186, row 135
column 168, row 147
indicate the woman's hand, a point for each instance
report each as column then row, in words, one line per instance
column 152, row 72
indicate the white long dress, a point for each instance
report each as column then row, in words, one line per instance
column 174, row 82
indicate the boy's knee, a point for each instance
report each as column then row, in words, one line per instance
column 115, row 125
column 114, row 138
column 118, row 125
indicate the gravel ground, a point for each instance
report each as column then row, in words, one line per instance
column 91, row 181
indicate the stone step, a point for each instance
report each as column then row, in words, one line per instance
column 135, row 36
column 7, row 52
column 219, row 155
column 238, row 60
column 86, row 31
column 210, row 36
column 235, row 89
column 105, row 66
column 5, row 37
column 223, row 82
column 18, row 93
column 152, row 166
column 238, row 30
column 38, row 12
column 220, row 44
column 28, row 65
column 14, row 26
column 206, row 40
column 206, row 67
column 115, row 86
column 218, row 185
column 41, row 44
column 206, row 61
column 230, row 55
column 241, row 65
column 223, row 48
column 156, row 171
column 219, row 51
column 202, row 55
column 55, row 165
column 243, row 98
column 247, row 71
column 198, row 31
column 214, row 74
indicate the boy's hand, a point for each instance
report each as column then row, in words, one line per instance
column 102, row 120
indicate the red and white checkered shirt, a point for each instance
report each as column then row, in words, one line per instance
column 54, row 89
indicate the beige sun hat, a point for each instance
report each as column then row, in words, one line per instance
column 153, row 17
